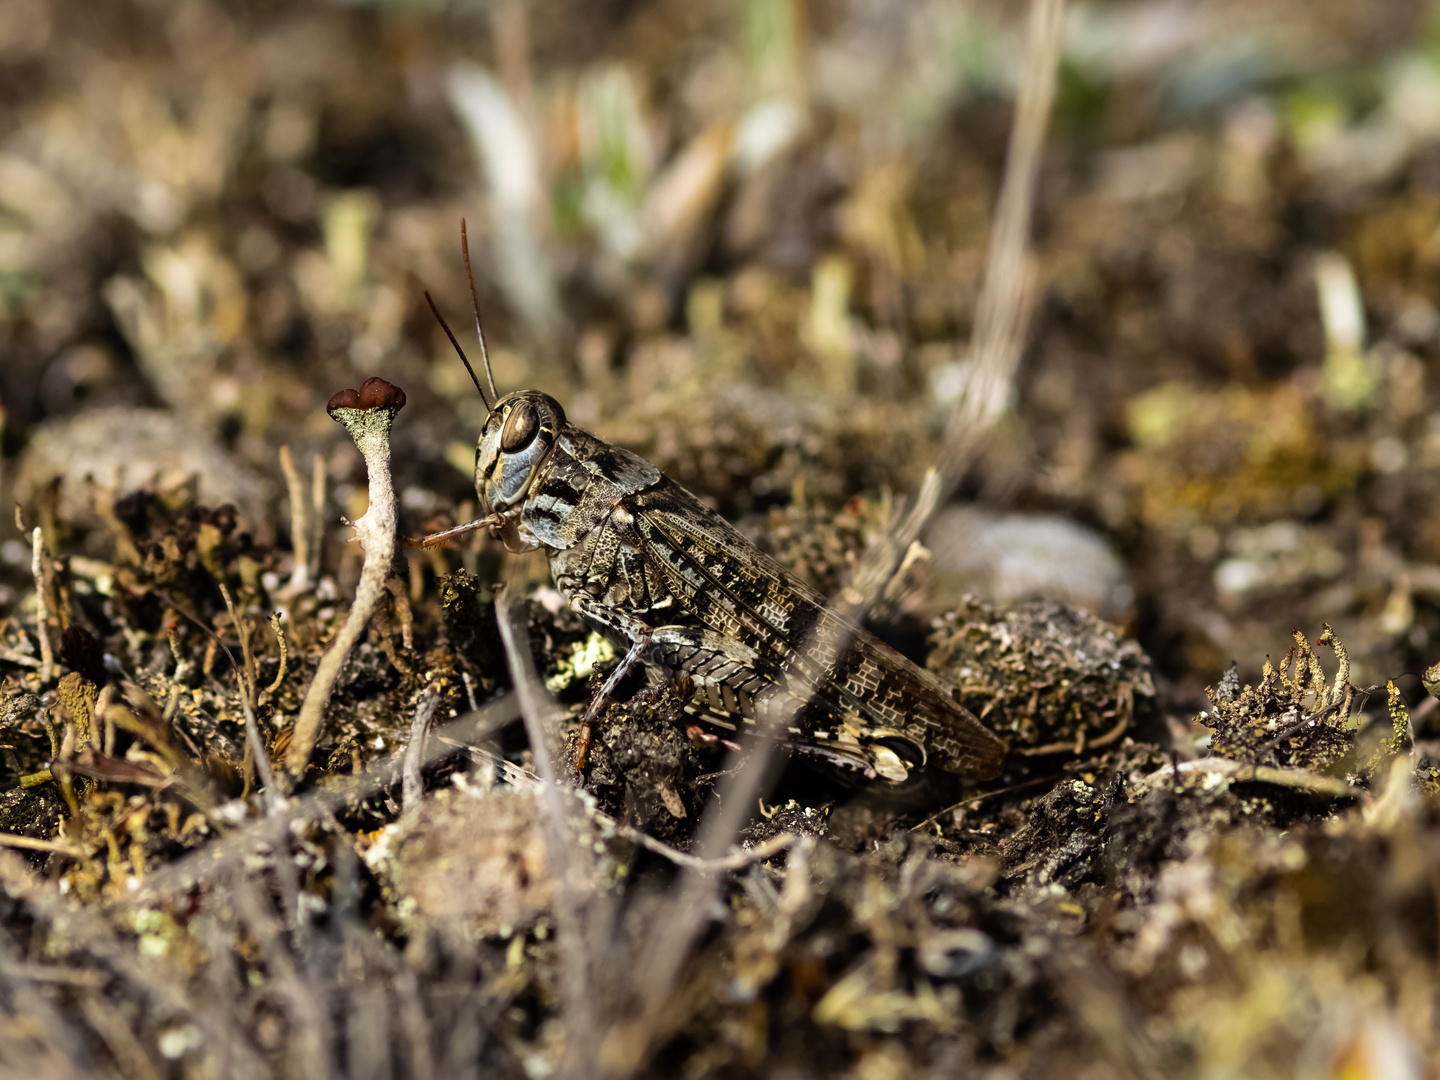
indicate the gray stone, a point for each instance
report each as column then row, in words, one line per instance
column 125, row 448
column 1007, row 557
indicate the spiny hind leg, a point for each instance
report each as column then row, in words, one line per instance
column 736, row 684
column 727, row 675
column 711, row 661
column 706, row 657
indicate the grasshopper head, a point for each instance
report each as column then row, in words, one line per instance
column 516, row 440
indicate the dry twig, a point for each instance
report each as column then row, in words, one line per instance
column 412, row 782
column 563, row 855
column 42, row 607
column 1297, row 779
column 299, row 524
column 1001, row 314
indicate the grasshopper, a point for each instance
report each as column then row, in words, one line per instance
column 676, row 587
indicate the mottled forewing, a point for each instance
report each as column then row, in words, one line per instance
column 734, row 589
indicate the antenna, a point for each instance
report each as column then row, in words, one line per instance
column 475, row 303
column 463, row 358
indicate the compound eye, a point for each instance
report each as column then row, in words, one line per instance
column 520, row 428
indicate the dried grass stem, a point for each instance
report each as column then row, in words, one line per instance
column 42, row 606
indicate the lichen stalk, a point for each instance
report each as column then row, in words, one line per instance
column 368, row 415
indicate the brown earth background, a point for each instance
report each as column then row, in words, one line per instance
column 745, row 240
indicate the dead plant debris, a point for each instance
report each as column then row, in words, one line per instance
column 746, row 241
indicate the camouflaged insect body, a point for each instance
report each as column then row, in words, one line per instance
column 651, row 567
